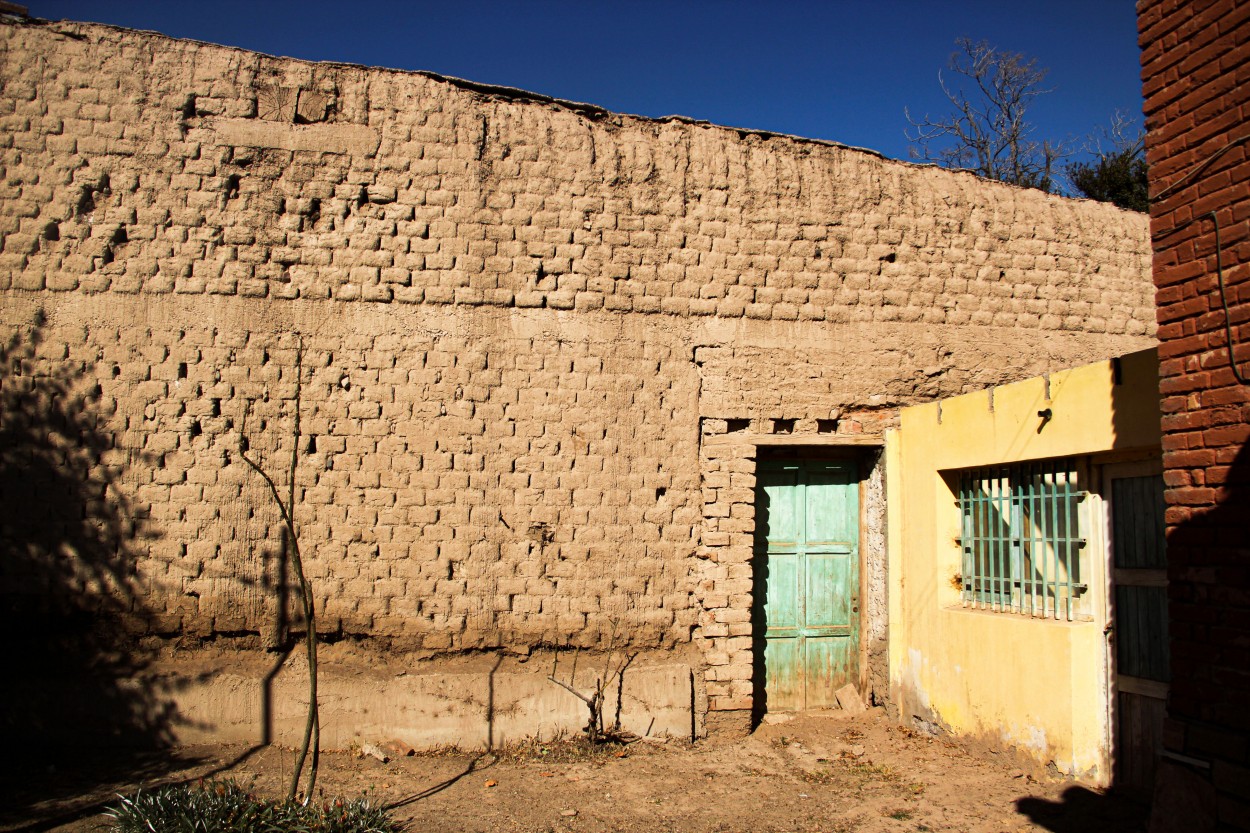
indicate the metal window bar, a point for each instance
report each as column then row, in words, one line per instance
column 1016, row 567
column 1020, row 537
column 1053, row 589
column 1061, row 507
column 1007, row 511
column 1007, row 541
column 1037, row 549
column 996, row 568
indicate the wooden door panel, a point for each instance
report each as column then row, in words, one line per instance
column 829, row 591
column 784, row 663
column 828, row 511
column 1140, row 734
column 1139, row 541
column 829, row 665
column 781, row 506
column 783, row 592
column 1142, row 632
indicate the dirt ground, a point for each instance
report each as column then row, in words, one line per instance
column 833, row 773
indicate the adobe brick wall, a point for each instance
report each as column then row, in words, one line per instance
column 521, row 319
column 1196, row 77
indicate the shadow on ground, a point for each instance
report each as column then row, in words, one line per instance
column 45, row 789
column 1081, row 810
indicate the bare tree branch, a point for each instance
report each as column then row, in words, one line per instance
column 1117, row 172
column 613, row 669
column 987, row 131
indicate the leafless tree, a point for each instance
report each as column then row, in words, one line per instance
column 988, row 132
column 615, row 664
column 312, row 726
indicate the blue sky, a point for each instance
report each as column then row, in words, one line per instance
column 841, row 70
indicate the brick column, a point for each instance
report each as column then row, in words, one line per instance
column 724, row 587
column 1196, row 81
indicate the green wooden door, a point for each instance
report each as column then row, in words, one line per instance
column 1139, row 627
column 806, row 581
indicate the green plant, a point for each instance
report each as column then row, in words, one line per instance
column 820, row 776
column 227, row 807
column 867, row 770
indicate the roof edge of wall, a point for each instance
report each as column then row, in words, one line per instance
column 591, row 112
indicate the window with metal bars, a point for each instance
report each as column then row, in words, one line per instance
column 1021, row 538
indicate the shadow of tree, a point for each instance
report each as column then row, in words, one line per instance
column 69, row 590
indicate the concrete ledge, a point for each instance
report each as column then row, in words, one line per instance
column 469, row 708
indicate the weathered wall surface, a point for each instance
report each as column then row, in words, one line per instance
column 520, row 319
column 963, row 668
column 1196, row 82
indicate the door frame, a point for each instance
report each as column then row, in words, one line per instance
column 1141, row 465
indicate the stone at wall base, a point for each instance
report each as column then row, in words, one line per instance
column 729, row 724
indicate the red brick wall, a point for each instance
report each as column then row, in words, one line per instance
column 1196, row 82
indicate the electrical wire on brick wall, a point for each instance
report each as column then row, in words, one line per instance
column 1219, row 262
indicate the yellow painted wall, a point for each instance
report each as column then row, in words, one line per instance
column 1036, row 684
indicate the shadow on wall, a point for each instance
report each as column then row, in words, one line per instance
column 68, row 602
column 1207, row 581
column 759, row 619
column 1208, row 594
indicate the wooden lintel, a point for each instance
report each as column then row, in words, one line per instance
column 824, row 440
